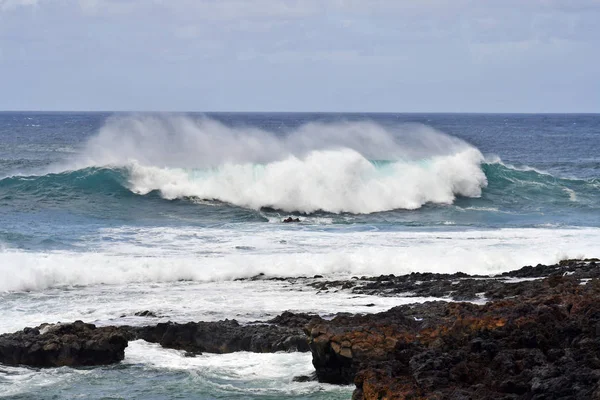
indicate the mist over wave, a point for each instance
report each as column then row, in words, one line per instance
column 357, row 167
column 337, row 167
column 186, row 142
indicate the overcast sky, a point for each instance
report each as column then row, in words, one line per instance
column 301, row 55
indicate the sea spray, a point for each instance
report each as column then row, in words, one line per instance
column 316, row 167
column 333, row 181
column 358, row 167
column 186, row 142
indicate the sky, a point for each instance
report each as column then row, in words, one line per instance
column 300, row 55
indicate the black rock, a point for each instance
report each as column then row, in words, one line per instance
column 305, row 378
column 223, row 337
column 76, row 344
column 146, row 313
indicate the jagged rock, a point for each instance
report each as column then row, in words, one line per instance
column 543, row 344
column 223, row 337
column 460, row 286
column 292, row 320
column 80, row 344
column 76, row 344
column 146, row 313
column 305, row 378
column 587, row 268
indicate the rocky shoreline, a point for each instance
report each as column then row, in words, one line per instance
column 533, row 333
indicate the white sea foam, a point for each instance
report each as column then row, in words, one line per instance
column 182, row 302
column 494, row 159
column 332, row 180
column 242, row 372
column 490, row 209
column 571, row 193
column 266, row 366
column 196, row 254
column 235, row 375
column 357, row 167
column 16, row 382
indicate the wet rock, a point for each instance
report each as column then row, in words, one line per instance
column 342, row 345
column 462, row 287
column 75, row 344
column 292, row 320
column 223, row 337
column 258, row 277
column 539, row 344
column 587, row 268
column 290, row 219
column 81, row 344
column 305, row 378
column 456, row 286
column 146, row 313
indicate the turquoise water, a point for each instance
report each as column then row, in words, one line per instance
column 103, row 215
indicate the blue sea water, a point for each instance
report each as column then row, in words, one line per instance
column 548, row 172
column 105, row 214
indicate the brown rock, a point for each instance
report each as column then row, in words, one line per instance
column 542, row 344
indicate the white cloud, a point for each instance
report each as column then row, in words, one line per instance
column 251, row 9
column 223, row 47
column 206, row 9
column 12, row 4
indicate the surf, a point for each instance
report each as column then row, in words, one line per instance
column 336, row 167
column 326, row 167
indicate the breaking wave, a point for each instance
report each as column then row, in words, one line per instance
column 358, row 167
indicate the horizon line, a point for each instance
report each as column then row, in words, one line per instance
column 306, row 112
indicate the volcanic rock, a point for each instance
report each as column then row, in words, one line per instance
column 146, row 313
column 223, row 337
column 462, row 287
column 542, row 344
column 81, row 344
column 76, row 344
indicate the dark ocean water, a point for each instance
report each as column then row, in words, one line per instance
column 107, row 214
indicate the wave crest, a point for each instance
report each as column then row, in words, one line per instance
column 327, row 180
column 353, row 167
column 315, row 167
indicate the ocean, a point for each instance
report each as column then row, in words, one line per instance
column 103, row 215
